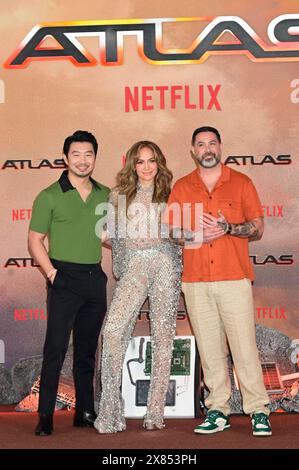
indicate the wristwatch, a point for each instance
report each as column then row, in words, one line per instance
column 229, row 228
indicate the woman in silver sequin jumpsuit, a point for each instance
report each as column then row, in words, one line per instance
column 147, row 265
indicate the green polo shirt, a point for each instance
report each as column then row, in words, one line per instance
column 70, row 222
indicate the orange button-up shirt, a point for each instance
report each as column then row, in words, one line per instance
column 226, row 258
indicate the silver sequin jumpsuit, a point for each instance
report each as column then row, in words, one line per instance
column 147, row 267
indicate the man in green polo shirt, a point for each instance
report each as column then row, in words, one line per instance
column 65, row 212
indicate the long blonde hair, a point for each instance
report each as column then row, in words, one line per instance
column 127, row 178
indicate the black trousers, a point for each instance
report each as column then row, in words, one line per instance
column 76, row 301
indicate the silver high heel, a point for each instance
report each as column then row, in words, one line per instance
column 150, row 425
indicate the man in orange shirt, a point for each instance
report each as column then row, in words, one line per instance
column 217, row 279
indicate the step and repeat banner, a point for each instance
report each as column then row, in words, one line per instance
column 132, row 70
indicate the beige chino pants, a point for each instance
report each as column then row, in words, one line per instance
column 221, row 311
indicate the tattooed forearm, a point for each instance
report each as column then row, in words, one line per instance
column 253, row 229
column 247, row 229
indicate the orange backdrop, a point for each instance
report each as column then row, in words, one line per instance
column 253, row 102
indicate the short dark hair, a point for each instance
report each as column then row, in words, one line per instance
column 80, row 136
column 206, row 129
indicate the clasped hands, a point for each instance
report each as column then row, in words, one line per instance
column 212, row 227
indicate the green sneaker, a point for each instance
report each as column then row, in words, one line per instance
column 261, row 425
column 214, row 422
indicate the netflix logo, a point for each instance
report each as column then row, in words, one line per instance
column 20, row 214
column 273, row 211
column 271, row 313
column 148, row 98
column 25, row 314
